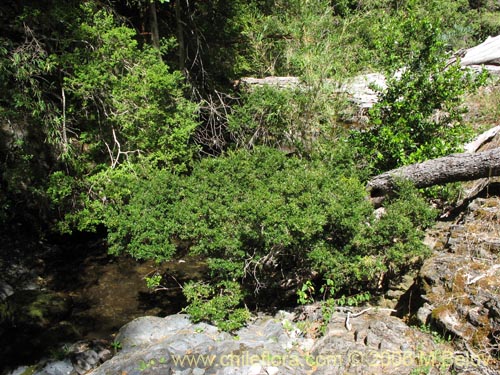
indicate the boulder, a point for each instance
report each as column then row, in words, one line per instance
column 6, row 290
column 149, row 329
column 56, row 368
column 377, row 344
column 282, row 344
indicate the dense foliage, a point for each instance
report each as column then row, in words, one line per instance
column 123, row 96
column 419, row 115
column 265, row 220
column 126, row 116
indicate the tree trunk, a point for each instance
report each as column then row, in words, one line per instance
column 155, row 33
column 457, row 167
column 180, row 35
column 483, row 56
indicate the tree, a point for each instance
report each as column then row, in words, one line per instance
column 122, row 100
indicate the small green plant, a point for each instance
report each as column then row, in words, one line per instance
column 117, row 346
column 328, row 289
column 143, row 365
column 153, row 282
column 421, row 370
column 437, row 337
column 329, row 305
column 287, row 325
column 305, row 294
column 217, row 304
column 354, row 300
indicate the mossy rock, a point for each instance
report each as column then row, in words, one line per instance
column 33, row 309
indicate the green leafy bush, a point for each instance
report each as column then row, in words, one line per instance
column 262, row 118
column 396, row 238
column 291, row 119
column 419, row 115
column 380, row 248
column 487, row 24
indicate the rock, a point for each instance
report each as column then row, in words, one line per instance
column 475, row 316
column 269, row 345
column 56, row 368
column 397, row 292
column 450, row 320
column 84, row 361
column 377, row 344
column 105, row 355
column 82, row 356
column 148, row 329
column 424, row 314
column 493, row 306
column 5, row 290
column 460, row 282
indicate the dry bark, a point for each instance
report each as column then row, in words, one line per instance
column 481, row 139
column 486, row 53
column 452, row 168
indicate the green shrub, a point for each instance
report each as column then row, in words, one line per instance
column 487, row 24
column 259, row 219
column 419, row 115
column 262, row 118
column 216, row 303
column 396, row 239
column 380, row 248
column 122, row 99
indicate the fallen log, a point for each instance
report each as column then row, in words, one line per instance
column 452, row 168
column 483, row 56
column 359, row 89
column 481, row 139
column 486, row 53
column 278, row 82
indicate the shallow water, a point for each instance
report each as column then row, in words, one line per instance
column 105, row 292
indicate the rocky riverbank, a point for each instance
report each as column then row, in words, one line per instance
column 376, row 343
column 286, row 343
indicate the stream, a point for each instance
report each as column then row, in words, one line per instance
column 75, row 291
